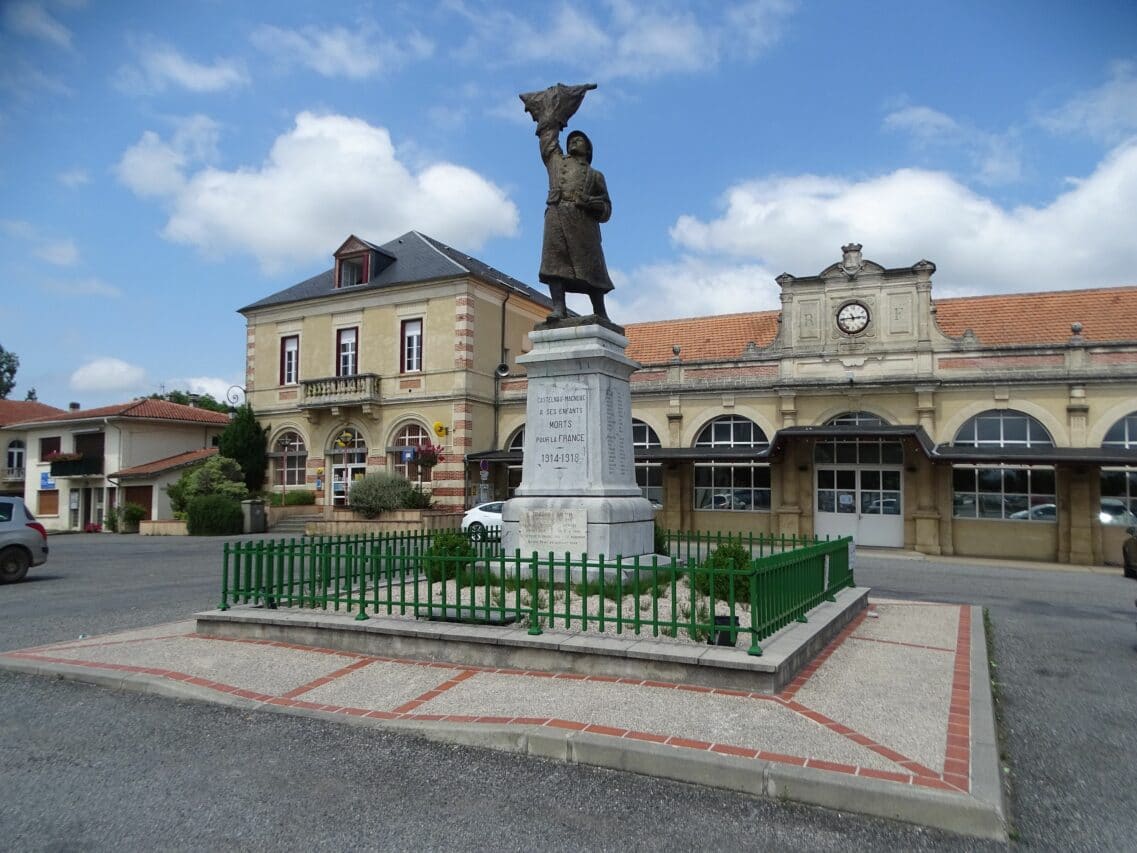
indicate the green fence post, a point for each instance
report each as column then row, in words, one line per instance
column 534, row 624
column 754, row 649
column 224, row 577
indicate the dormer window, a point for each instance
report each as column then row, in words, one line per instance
column 352, row 271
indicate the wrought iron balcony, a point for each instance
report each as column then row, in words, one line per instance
column 86, row 466
column 12, row 473
column 339, row 391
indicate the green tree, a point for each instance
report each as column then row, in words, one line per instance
column 246, row 441
column 219, row 475
column 9, row 364
column 185, row 398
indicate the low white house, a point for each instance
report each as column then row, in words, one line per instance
column 80, row 463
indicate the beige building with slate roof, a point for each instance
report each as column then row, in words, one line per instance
column 998, row 426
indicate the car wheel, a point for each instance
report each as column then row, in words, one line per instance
column 477, row 531
column 13, row 565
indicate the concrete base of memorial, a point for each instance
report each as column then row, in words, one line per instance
column 578, row 492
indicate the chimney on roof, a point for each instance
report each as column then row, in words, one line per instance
column 73, row 407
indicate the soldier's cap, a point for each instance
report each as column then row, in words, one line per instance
column 587, row 141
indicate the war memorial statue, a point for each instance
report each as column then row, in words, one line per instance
column 578, row 493
column 572, row 259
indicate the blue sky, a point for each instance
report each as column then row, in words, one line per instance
column 163, row 164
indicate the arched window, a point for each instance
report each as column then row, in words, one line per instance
column 649, row 475
column 731, row 485
column 401, row 458
column 858, row 450
column 348, row 454
column 513, row 472
column 1008, row 428
column 15, row 461
column 1119, row 485
column 289, row 460
column 1023, row 493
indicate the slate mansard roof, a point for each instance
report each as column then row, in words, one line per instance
column 416, row 258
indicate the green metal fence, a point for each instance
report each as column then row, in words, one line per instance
column 429, row 574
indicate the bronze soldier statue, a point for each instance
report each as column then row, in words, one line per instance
column 572, row 259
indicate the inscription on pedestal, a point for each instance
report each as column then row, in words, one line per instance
column 560, row 437
column 555, row 530
column 617, row 408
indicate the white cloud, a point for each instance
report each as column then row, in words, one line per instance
column 27, row 83
column 994, row 157
column 73, row 178
column 82, row 287
column 1108, row 113
column 214, row 386
column 295, row 208
column 1083, row 238
column 355, row 53
column 691, row 286
column 161, row 67
column 108, row 374
column 153, row 167
column 61, row 253
column 32, row 19
column 632, row 39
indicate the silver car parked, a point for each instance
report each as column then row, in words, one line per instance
column 23, row 540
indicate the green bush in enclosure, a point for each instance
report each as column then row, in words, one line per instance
column 130, row 515
column 450, row 556
column 300, row 497
column 730, row 557
column 213, row 515
column 380, row 492
column 661, row 541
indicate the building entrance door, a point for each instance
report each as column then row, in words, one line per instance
column 865, row 503
column 342, row 478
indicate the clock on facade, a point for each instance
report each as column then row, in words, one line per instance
column 852, row 317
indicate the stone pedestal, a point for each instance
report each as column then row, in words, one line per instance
column 578, row 492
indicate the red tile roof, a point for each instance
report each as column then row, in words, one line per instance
column 1106, row 315
column 181, row 460
column 700, row 338
column 144, row 409
column 15, row 411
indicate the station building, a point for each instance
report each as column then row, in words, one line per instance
column 996, row 426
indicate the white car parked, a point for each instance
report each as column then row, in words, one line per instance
column 483, row 521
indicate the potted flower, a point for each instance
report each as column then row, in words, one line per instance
column 428, row 455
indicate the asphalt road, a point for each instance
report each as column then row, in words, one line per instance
column 93, row 769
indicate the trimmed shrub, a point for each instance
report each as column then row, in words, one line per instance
column 725, row 559
column 450, row 555
column 661, row 541
column 300, row 497
column 417, row 499
column 129, row 516
column 218, row 475
column 214, row 515
column 379, row 492
column 110, row 520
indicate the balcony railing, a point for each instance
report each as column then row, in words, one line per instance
column 89, row 466
column 13, row 473
column 339, row 390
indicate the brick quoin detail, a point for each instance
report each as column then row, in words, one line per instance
column 1002, row 361
column 410, row 383
column 463, row 424
column 444, row 492
column 515, row 385
column 463, row 441
column 649, row 375
column 462, row 407
column 765, row 370
column 437, row 475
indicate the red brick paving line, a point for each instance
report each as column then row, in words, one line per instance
column 326, row 679
column 807, row 671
